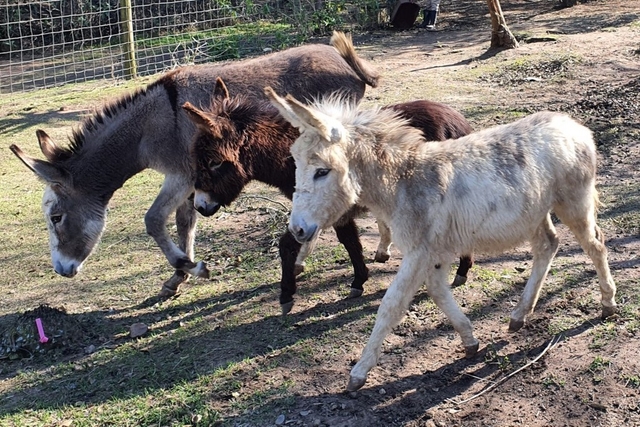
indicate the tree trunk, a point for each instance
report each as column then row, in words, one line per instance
column 501, row 37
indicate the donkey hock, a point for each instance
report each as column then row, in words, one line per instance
column 148, row 129
column 488, row 191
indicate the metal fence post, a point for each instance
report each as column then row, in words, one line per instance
column 128, row 42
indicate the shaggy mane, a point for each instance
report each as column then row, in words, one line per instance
column 392, row 133
column 100, row 116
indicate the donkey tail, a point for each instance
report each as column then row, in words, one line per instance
column 344, row 45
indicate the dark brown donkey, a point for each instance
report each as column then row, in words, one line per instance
column 239, row 140
column 148, row 129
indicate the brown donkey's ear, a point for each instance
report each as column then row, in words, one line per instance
column 220, row 90
column 202, row 120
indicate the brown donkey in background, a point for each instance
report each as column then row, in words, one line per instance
column 148, row 129
column 239, row 140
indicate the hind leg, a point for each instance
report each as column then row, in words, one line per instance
column 348, row 236
column 544, row 245
column 383, row 253
column 186, row 220
column 466, row 262
column 591, row 240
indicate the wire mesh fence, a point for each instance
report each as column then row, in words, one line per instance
column 52, row 42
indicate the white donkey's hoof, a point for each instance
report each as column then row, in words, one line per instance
column 200, row 270
column 515, row 325
column 355, row 383
column 355, row 293
column 608, row 311
column 471, row 350
column 298, row 269
column 381, row 257
column 286, row 307
column 458, row 281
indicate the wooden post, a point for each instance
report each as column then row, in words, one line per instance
column 501, row 37
column 129, row 66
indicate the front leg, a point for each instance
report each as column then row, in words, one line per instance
column 348, row 235
column 174, row 192
column 186, row 220
column 395, row 302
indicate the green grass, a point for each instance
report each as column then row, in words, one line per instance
column 220, row 353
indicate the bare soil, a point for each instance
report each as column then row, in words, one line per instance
column 584, row 60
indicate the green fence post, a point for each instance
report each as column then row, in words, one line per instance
column 128, row 41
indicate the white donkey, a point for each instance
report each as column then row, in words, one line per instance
column 485, row 192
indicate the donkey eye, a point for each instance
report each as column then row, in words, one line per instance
column 321, row 172
column 56, row 218
column 213, row 165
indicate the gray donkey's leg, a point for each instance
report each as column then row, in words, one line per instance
column 174, row 193
column 186, row 219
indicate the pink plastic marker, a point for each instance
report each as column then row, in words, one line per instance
column 43, row 337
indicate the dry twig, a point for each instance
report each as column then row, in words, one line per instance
column 554, row 342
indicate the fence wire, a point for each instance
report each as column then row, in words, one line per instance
column 53, row 42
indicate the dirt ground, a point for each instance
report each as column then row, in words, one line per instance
column 567, row 386
column 584, row 60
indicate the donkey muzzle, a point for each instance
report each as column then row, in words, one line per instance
column 302, row 232
column 208, row 210
column 204, row 204
column 66, row 270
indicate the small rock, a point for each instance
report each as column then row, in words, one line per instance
column 316, row 422
column 90, row 349
column 305, row 413
column 382, row 391
column 280, row 420
column 137, row 330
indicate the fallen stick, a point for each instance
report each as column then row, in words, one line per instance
column 552, row 343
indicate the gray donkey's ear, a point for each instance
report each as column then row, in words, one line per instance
column 46, row 171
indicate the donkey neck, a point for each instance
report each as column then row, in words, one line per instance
column 269, row 156
column 121, row 140
column 379, row 162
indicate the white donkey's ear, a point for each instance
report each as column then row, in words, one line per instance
column 331, row 129
column 305, row 117
column 284, row 109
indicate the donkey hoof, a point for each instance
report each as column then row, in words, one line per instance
column 381, row 257
column 355, row 293
column 459, row 281
column 298, row 269
column 471, row 350
column 355, row 383
column 200, row 270
column 515, row 325
column 608, row 311
column 167, row 292
column 286, row 307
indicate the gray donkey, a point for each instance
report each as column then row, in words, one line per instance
column 149, row 129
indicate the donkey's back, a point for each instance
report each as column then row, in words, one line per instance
column 498, row 184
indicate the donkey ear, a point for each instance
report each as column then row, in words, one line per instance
column 44, row 170
column 220, row 90
column 47, row 145
column 329, row 128
column 202, row 120
column 283, row 108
